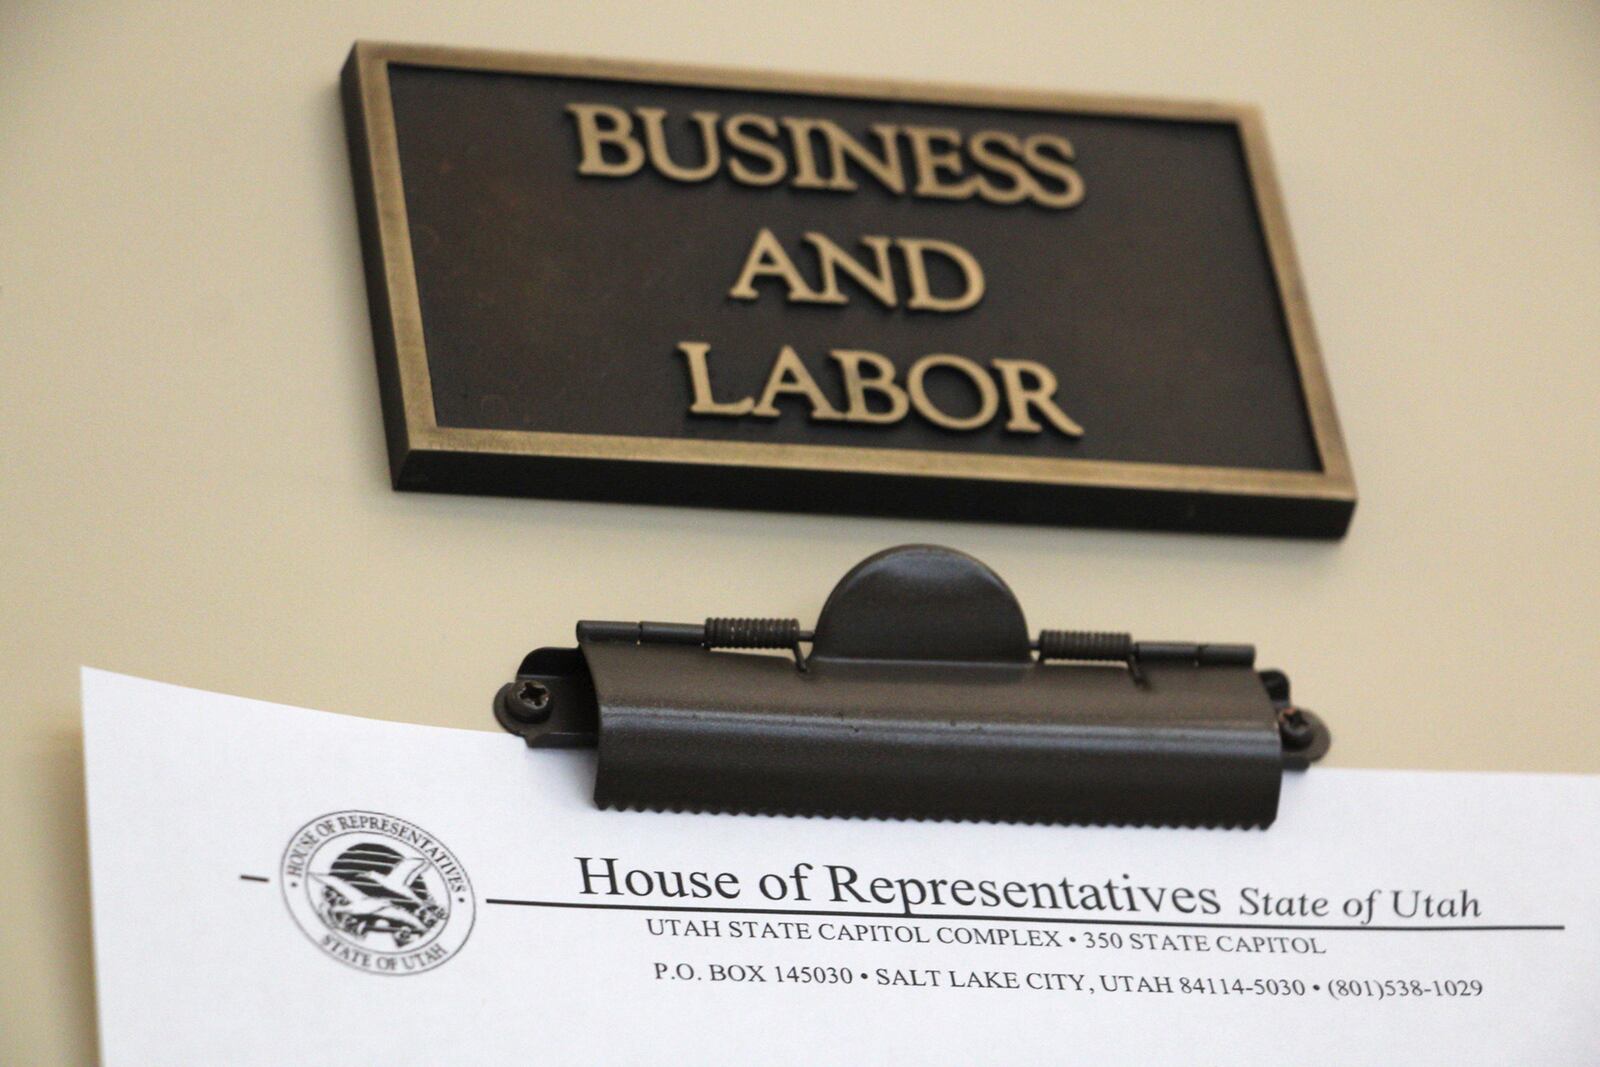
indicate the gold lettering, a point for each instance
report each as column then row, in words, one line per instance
column 789, row 377
column 879, row 283
column 592, row 140
column 767, row 259
column 1020, row 396
column 874, row 397
column 700, row 378
column 930, row 163
column 817, row 153
column 885, row 169
column 922, row 298
column 805, row 160
column 988, row 395
column 985, row 154
column 655, row 136
column 856, row 387
column 777, row 165
column 1061, row 168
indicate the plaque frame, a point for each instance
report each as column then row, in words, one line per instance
column 426, row 456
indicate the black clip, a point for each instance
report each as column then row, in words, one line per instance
column 922, row 697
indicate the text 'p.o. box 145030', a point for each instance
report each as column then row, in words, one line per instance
column 608, row 280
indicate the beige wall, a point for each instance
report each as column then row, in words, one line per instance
column 192, row 480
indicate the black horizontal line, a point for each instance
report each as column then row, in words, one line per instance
column 598, row 906
column 251, row 878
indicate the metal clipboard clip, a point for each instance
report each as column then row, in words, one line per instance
column 922, row 697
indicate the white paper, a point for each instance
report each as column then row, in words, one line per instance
column 245, row 912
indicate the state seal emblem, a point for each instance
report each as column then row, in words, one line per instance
column 376, row 892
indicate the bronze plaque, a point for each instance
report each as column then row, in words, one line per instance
column 619, row 281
